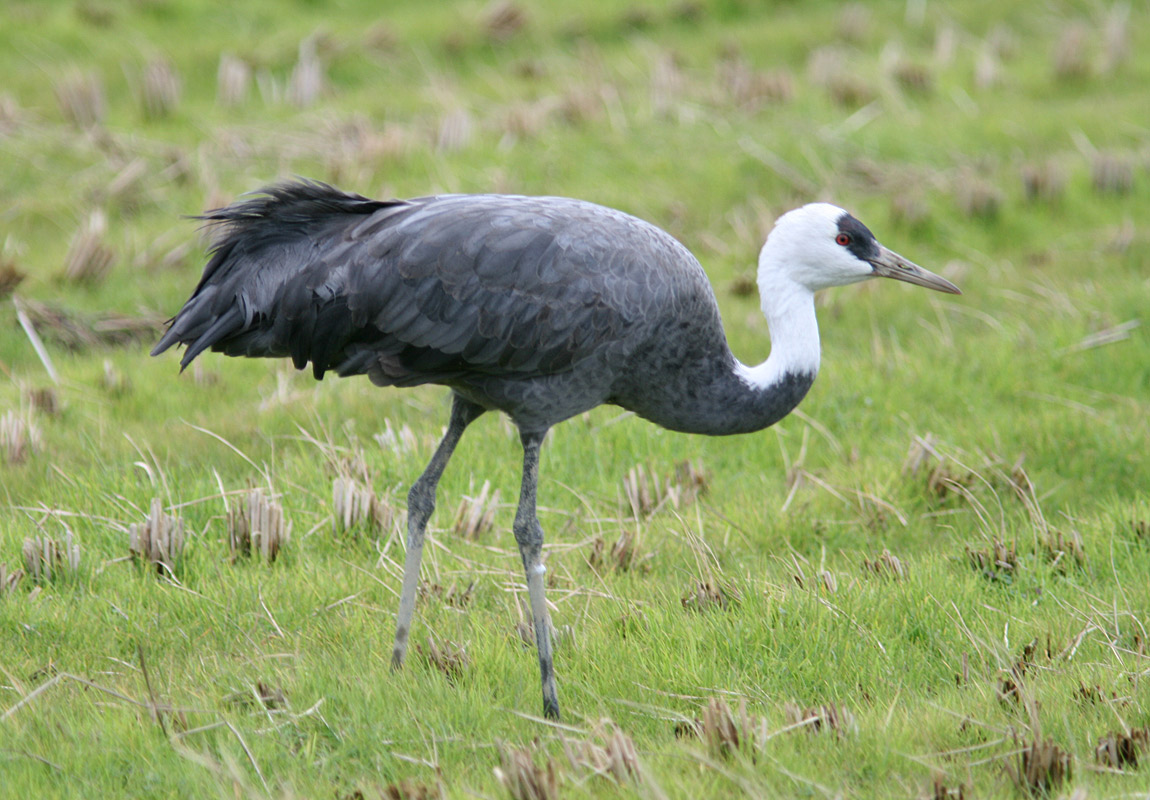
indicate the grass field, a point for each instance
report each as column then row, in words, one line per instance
column 931, row 581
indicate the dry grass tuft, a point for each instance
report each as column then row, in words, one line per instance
column 749, row 89
column 160, row 89
column 381, row 38
column 408, row 789
column 256, row 527
column 262, row 695
column 688, row 483
column 924, row 457
column 308, row 81
column 727, row 732
column 885, row 565
column 233, row 81
column 527, row 120
column 271, row 697
column 637, row 18
column 355, row 146
column 10, row 277
column 456, row 129
column 1112, row 173
column 823, row 579
column 76, row 331
column 643, row 492
column 1115, row 37
column 1094, row 695
column 476, row 515
column 126, row 188
column 355, row 506
column 626, row 554
column 829, row 68
column 854, row 22
column 607, row 752
column 996, row 563
column 1003, row 41
column 1141, row 529
column 668, row 84
column 631, row 623
column 113, row 381
column 9, row 580
column 446, row 656
column 1071, row 58
column 89, row 258
column 705, row 595
column 399, row 441
column 850, row 90
column 646, row 493
column 1119, row 750
column 1063, row 551
column 455, row 596
column 829, row 718
column 20, row 437
column 12, row 115
column 159, row 256
column 580, row 105
column 1010, row 688
column 158, row 540
column 44, row 400
column 940, row 791
column 824, row 64
column 908, row 206
column 349, row 463
column 913, row 77
column 45, row 557
column 976, row 196
column 1041, row 767
column 945, row 44
column 80, row 96
column 96, row 14
column 987, row 69
column 1044, row 181
column 743, row 285
column 503, row 19
column 523, row 779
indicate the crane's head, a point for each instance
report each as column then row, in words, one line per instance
column 821, row 245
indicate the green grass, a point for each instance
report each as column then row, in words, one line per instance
column 117, row 682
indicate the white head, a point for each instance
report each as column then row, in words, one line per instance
column 821, row 245
column 812, row 248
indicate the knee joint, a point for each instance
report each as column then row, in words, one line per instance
column 420, row 502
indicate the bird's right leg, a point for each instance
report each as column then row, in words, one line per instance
column 420, row 504
column 529, row 536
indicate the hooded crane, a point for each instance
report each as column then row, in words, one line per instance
column 540, row 307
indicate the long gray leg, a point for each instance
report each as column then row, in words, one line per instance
column 529, row 535
column 420, row 504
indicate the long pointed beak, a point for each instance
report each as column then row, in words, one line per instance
column 889, row 264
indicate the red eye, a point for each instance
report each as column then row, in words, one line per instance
column 843, row 238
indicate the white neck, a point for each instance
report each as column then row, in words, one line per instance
column 790, row 311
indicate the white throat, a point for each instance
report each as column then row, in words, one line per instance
column 790, row 311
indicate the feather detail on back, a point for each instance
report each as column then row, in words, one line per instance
column 427, row 290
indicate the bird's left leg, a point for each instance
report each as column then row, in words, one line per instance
column 420, row 504
column 529, row 536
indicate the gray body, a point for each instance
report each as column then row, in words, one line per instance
column 540, row 307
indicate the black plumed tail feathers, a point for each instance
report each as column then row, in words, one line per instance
column 272, row 220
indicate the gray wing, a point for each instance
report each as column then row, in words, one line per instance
column 433, row 289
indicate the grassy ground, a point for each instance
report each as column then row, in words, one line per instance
column 931, row 581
